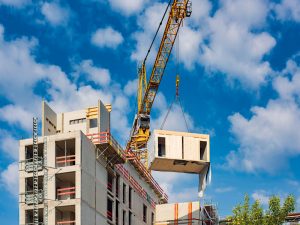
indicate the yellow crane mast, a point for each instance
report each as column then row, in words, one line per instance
column 140, row 131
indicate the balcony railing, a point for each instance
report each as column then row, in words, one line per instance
column 114, row 148
column 29, row 197
column 110, row 187
column 109, row 215
column 29, row 164
column 67, row 222
column 68, row 160
column 68, row 192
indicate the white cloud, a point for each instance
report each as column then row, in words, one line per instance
column 128, row 7
column 224, row 189
column 200, row 11
column 231, row 41
column 261, row 196
column 15, row 3
column 17, row 61
column 288, row 10
column 131, row 87
column 14, row 114
column 99, row 75
column 270, row 136
column 55, row 13
column 148, row 22
column 9, row 145
column 107, row 37
column 189, row 46
column 10, row 178
column 175, row 120
column 233, row 48
column 169, row 182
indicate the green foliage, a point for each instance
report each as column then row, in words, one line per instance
column 244, row 214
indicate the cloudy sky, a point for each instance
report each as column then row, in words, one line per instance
column 239, row 62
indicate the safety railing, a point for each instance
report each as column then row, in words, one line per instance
column 66, row 222
column 29, row 197
column 109, row 215
column 29, row 164
column 147, row 176
column 67, row 191
column 109, row 186
column 139, row 189
column 107, row 138
column 68, row 160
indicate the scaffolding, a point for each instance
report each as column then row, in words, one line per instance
column 209, row 214
column 45, row 187
column 35, row 172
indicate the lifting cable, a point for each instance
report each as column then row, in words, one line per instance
column 169, row 110
column 157, row 31
column 177, row 98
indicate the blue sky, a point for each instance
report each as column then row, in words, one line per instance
column 239, row 64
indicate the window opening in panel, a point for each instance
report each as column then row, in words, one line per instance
column 161, row 146
column 93, row 123
column 144, row 213
column 109, row 209
column 203, row 145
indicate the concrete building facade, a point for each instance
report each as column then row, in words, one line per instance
column 83, row 175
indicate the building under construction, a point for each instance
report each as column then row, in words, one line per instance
column 76, row 173
column 84, row 177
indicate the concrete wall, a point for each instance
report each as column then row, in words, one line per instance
column 49, row 120
column 180, row 212
column 52, row 173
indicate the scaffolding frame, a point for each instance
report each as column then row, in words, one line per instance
column 209, row 214
column 35, row 172
column 45, row 187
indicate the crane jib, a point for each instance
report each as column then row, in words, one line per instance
column 161, row 61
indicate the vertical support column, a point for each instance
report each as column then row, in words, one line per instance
column 35, row 172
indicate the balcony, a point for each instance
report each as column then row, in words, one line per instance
column 108, row 147
column 65, row 153
column 65, row 186
column 65, row 215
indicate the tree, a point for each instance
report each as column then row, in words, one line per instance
column 244, row 214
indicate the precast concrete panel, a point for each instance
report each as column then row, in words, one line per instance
column 104, row 118
column 100, row 219
column 174, row 147
column 88, row 214
column 51, row 160
column 68, row 117
column 78, row 184
column 101, row 188
column 88, row 157
column 49, row 120
column 88, row 188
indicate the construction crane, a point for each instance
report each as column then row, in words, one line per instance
column 140, row 132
